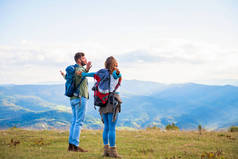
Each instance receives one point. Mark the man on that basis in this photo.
(78, 103)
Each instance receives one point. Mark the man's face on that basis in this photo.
(83, 61)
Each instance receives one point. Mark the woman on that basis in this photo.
(109, 113)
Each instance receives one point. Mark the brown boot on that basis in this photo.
(70, 148)
(78, 149)
(106, 151)
(113, 152)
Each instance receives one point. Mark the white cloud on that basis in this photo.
(181, 62)
(170, 61)
(30, 63)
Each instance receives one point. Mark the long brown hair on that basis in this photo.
(110, 64)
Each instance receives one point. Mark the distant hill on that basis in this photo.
(144, 104)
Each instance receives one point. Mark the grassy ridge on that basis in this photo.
(131, 144)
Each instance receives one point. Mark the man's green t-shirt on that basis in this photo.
(84, 85)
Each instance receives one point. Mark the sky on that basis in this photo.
(169, 41)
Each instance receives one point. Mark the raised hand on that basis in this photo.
(88, 65)
(118, 71)
(79, 73)
(62, 73)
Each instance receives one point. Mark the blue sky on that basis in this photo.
(170, 41)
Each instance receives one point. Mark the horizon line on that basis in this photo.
(179, 83)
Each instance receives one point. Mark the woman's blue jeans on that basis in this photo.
(109, 132)
(78, 111)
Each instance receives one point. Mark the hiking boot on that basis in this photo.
(78, 149)
(113, 152)
(70, 148)
(106, 151)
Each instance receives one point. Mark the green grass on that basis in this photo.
(150, 143)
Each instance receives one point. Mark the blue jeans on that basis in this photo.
(109, 131)
(78, 111)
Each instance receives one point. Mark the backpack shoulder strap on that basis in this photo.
(117, 86)
(82, 79)
(109, 80)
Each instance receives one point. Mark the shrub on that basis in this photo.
(154, 127)
(200, 129)
(233, 129)
(171, 127)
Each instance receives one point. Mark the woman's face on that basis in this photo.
(115, 65)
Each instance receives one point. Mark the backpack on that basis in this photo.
(101, 87)
(70, 88)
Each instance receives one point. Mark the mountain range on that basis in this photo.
(145, 104)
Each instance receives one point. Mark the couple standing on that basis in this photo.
(79, 104)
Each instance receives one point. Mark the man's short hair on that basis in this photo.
(78, 55)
